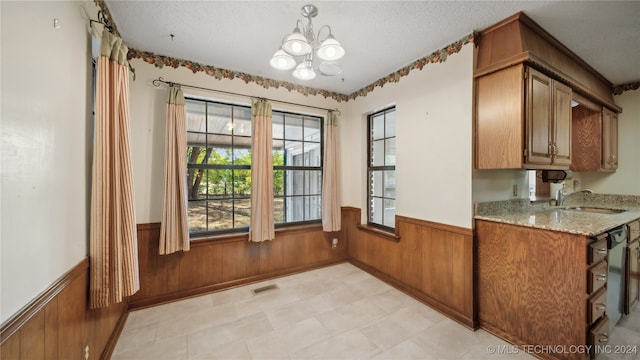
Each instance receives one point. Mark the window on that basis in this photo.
(381, 167)
(219, 167)
(297, 167)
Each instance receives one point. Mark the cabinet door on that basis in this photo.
(538, 117)
(609, 140)
(561, 147)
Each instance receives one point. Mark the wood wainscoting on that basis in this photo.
(58, 324)
(222, 262)
(431, 262)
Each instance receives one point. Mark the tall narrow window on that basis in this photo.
(381, 177)
(297, 167)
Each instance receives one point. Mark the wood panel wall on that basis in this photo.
(431, 262)
(221, 262)
(58, 324)
(532, 288)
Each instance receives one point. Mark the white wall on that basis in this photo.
(433, 155)
(45, 124)
(148, 109)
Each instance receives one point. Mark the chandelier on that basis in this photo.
(303, 44)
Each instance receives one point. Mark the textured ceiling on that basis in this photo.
(380, 37)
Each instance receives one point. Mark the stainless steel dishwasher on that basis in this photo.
(615, 283)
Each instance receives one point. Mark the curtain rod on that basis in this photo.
(159, 80)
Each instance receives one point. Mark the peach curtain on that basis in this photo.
(262, 223)
(330, 189)
(113, 245)
(174, 231)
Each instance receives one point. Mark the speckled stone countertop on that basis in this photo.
(543, 215)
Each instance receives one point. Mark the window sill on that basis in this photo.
(392, 236)
(201, 240)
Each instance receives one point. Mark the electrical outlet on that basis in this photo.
(86, 352)
(334, 242)
(515, 190)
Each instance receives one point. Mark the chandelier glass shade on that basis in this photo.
(304, 44)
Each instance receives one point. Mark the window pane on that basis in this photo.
(220, 214)
(196, 139)
(197, 218)
(218, 156)
(242, 142)
(313, 208)
(277, 121)
(218, 182)
(294, 182)
(278, 210)
(294, 208)
(312, 129)
(389, 213)
(376, 183)
(241, 121)
(377, 157)
(390, 124)
(293, 127)
(241, 182)
(375, 213)
(242, 156)
(377, 127)
(312, 154)
(278, 182)
(293, 153)
(313, 182)
(390, 184)
(219, 119)
(243, 212)
(195, 154)
(390, 151)
(196, 120)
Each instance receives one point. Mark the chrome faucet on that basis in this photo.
(561, 197)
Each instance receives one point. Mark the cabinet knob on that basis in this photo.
(602, 251)
(601, 277)
(600, 306)
(604, 338)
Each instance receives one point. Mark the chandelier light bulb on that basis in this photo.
(330, 49)
(304, 71)
(296, 44)
(282, 61)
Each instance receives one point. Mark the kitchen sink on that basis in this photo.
(596, 210)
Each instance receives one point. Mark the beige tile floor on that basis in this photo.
(337, 312)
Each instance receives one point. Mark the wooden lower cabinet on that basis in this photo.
(532, 287)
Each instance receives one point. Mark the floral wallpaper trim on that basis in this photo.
(438, 56)
(161, 61)
(619, 89)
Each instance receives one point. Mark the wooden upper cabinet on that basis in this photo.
(562, 124)
(525, 81)
(548, 109)
(523, 120)
(586, 135)
(539, 118)
(499, 125)
(609, 140)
